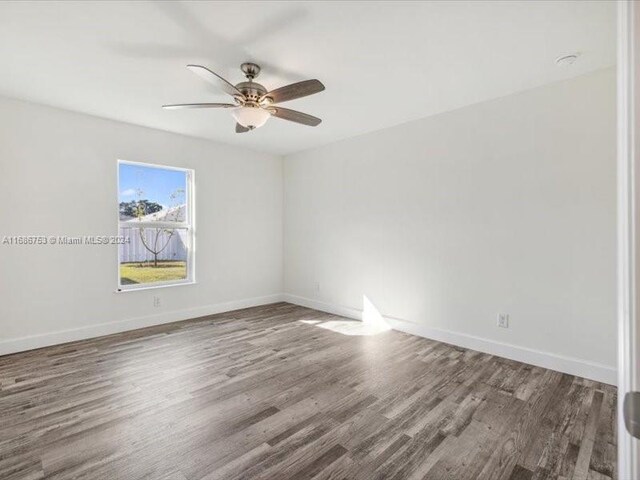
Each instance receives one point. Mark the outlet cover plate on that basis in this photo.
(503, 320)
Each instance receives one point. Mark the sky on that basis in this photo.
(157, 184)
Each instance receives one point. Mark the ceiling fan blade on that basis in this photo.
(215, 79)
(241, 129)
(294, 116)
(178, 106)
(293, 91)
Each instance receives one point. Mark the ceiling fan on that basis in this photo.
(253, 103)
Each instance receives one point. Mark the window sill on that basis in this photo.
(153, 287)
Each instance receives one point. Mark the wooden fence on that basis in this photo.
(135, 251)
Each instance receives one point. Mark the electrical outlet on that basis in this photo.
(503, 320)
(156, 301)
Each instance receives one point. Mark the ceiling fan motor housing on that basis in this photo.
(251, 90)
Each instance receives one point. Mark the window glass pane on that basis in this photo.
(151, 255)
(147, 193)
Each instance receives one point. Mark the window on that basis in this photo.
(155, 218)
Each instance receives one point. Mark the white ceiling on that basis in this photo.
(383, 63)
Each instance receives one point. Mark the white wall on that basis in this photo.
(505, 206)
(58, 177)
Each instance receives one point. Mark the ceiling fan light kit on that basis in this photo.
(253, 103)
(250, 117)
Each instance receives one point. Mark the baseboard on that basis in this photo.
(91, 331)
(572, 366)
(323, 307)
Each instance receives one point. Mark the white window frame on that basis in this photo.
(189, 225)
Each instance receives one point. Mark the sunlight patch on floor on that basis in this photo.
(372, 322)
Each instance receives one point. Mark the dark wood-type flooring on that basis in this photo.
(277, 393)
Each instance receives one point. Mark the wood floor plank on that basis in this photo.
(586, 448)
(286, 392)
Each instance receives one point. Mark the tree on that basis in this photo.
(155, 246)
(130, 209)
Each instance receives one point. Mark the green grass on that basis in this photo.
(136, 272)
